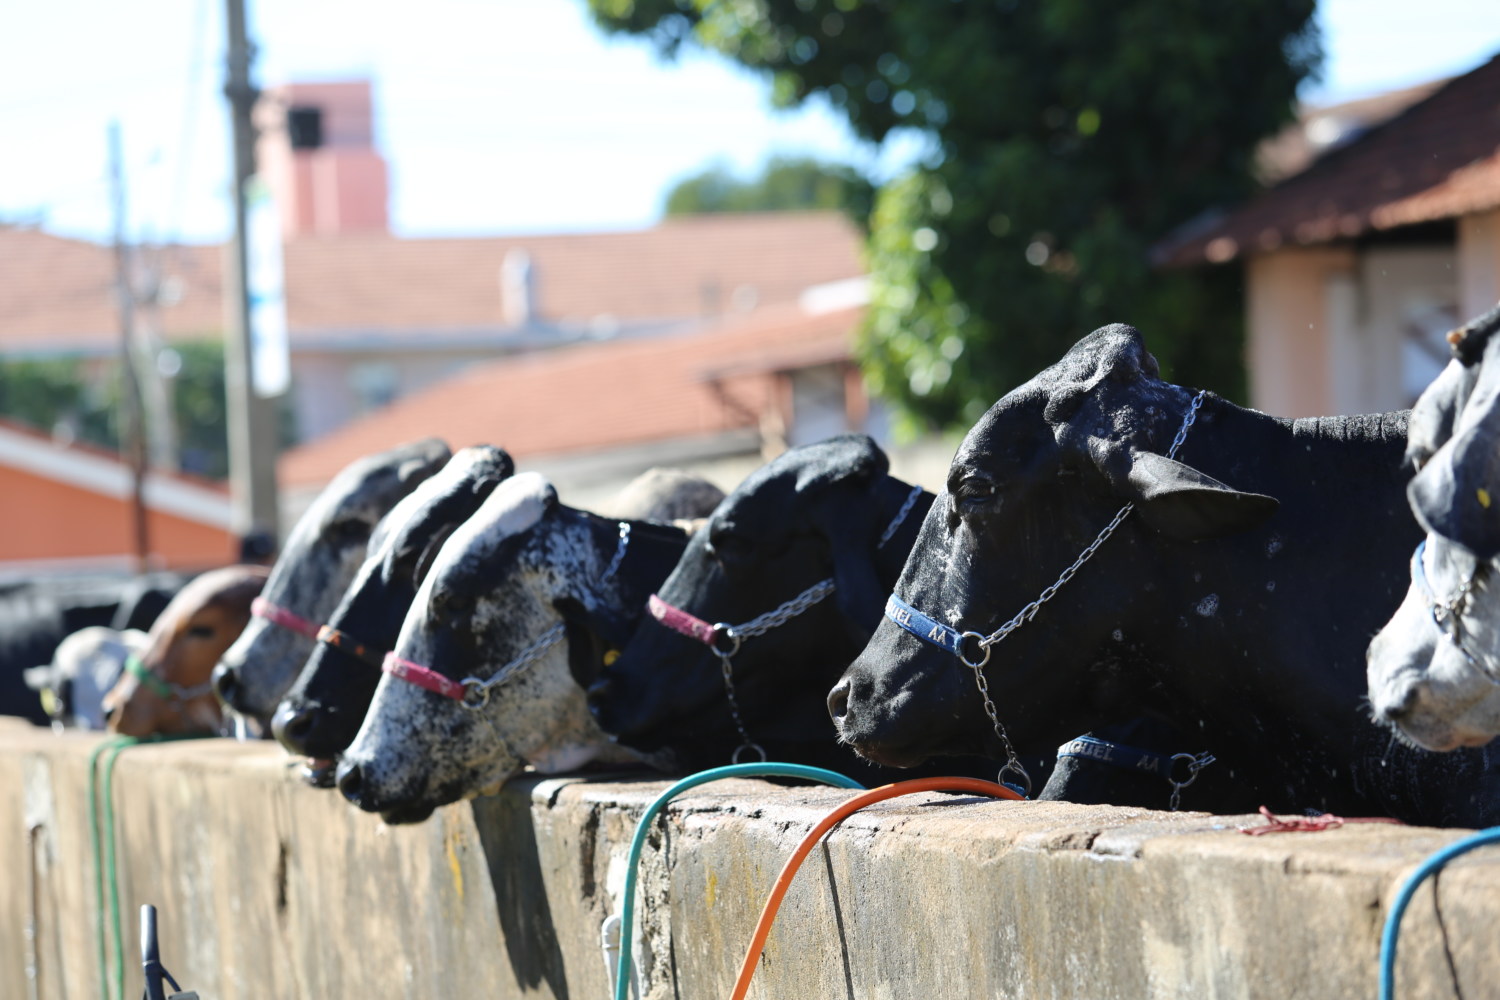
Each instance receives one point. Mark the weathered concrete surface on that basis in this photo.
(269, 889)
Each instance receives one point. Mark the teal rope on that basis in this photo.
(102, 842)
(1388, 939)
(101, 865)
(643, 827)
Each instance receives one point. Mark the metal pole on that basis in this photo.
(251, 418)
(132, 440)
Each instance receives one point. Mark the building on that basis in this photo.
(68, 508)
(718, 401)
(1356, 266)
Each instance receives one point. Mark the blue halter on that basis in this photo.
(1117, 754)
(1449, 609)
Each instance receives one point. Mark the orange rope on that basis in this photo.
(789, 871)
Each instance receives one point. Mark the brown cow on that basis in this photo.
(166, 689)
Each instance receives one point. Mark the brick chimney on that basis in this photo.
(317, 151)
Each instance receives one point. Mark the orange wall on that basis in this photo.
(44, 519)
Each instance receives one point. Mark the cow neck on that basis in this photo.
(474, 692)
(1163, 765)
(1447, 613)
(953, 640)
(723, 639)
(285, 617)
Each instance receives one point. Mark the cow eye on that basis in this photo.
(200, 632)
(974, 492)
(726, 546)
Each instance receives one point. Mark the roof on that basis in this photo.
(1320, 128)
(97, 470)
(596, 396)
(55, 290)
(57, 293)
(1438, 159)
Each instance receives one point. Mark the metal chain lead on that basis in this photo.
(776, 617)
(1195, 763)
(477, 689)
(1026, 614)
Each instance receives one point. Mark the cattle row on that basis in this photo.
(1190, 585)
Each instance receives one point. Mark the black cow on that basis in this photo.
(1433, 668)
(815, 513)
(1230, 614)
(321, 713)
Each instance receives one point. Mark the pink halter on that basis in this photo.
(422, 677)
(277, 615)
(681, 621)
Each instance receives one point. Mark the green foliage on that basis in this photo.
(82, 399)
(52, 395)
(1071, 137)
(787, 183)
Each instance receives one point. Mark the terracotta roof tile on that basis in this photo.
(595, 395)
(1433, 161)
(58, 294)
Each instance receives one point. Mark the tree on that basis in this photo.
(60, 395)
(1070, 137)
(785, 183)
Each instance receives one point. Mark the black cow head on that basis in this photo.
(322, 553)
(1032, 485)
(814, 513)
(321, 713)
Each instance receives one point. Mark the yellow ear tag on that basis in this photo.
(1484, 497)
(611, 655)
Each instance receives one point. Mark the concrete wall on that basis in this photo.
(269, 889)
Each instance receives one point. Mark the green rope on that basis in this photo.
(102, 843)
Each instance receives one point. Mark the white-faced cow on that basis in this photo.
(322, 553)
(1433, 669)
(1232, 613)
(521, 607)
(321, 713)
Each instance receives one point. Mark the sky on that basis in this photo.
(495, 116)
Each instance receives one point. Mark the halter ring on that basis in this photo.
(475, 696)
(978, 664)
(1014, 767)
(1192, 776)
(724, 630)
(755, 747)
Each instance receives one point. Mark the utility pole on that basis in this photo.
(132, 440)
(251, 417)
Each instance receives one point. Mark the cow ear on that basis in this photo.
(427, 457)
(1457, 495)
(591, 635)
(1180, 502)
(848, 457)
(430, 553)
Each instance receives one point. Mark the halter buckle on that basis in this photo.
(724, 630)
(958, 650)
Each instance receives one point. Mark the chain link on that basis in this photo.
(477, 689)
(1195, 763)
(620, 547)
(1026, 614)
(890, 530)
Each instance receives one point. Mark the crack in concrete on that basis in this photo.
(1437, 911)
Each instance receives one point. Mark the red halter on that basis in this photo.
(422, 677)
(277, 615)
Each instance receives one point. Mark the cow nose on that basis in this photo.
(226, 683)
(1396, 711)
(292, 725)
(351, 782)
(838, 702)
